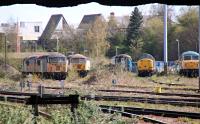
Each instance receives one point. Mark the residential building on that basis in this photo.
(57, 29)
(21, 34)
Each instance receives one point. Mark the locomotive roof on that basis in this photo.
(190, 53)
(77, 56)
(46, 54)
(146, 55)
(123, 55)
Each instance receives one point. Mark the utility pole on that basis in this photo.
(199, 48)
(165, 39)
(5, 48)
(178, 48)
(57, 44)
(18, 40)
(116, 50)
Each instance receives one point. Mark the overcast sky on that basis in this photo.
(73, 15)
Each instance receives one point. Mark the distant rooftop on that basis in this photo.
(87, 20)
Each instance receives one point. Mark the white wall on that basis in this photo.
(27, 30)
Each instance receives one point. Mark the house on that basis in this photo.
(57, 29)
(87, 21)
(21, 33)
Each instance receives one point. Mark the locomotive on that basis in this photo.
(189, 64)
(50, 65)
(124, 60)
(79, 63)
(146, 65)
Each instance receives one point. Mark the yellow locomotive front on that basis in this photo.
(146, 65)
(189, 64)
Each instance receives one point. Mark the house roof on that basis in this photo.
(87, 20)
(51, 27)
(65, 3)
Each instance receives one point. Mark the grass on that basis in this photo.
(101, 77)
(86, 113)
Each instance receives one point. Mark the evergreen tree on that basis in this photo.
(134, 31)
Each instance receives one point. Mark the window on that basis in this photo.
(195, 57)
(27, 63)
(57, 59)
(22, 24)
(38, 62)
(187, 57)
(77, 60)
(37, 28)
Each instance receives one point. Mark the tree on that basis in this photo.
(95, 38)
(116, 42)
(133, 41)
(187, 29)
(153, 37)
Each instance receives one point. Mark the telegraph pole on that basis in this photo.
(178, 56)
(5, 48)
(165, 39)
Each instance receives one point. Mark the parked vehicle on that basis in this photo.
(79, 63)
(146, 65)
(189, 64)
(51, 65)
(123, 60)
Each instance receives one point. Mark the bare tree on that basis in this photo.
(96, 38)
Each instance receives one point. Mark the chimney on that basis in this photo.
(112, 14)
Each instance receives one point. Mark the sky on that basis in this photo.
(73, 15)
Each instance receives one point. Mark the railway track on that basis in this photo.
(153, 93)
(170, 101)
(169, 84)
(157, 112)
(130, 115)
(19, 97)
(164, 88)
(13, 99)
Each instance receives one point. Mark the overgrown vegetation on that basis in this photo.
(87, 113)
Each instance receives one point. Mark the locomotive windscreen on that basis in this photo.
(77, 60)
(191, 57)
(145, 55)
(57, 59)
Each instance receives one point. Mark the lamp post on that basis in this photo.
(57, 45)
(116, 50)
(178, 48)
(5, 50)
(85, 51)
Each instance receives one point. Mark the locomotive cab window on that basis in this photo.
(195, 57)
(187, 57)
(77, 60)
(56, 59)
(38, 62)
(27, 62)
